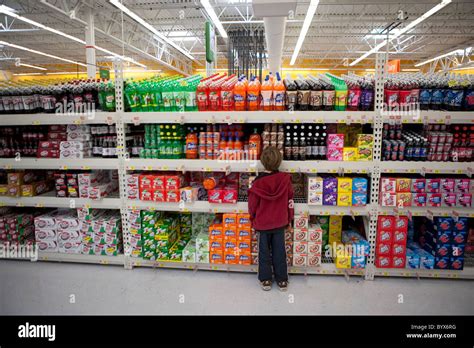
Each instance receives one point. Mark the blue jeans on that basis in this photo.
(271, 252)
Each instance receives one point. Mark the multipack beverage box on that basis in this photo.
(313, 260)
(388, 185)
(301, 234)
(359, 185)
(344, 185)
(315, 184)
(388, 199)
(300, 260)
(403, 185)
(384, 248)
(418, 185)
(412, 259)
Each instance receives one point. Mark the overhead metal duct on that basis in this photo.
(274, 15)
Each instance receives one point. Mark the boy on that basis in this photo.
(271, 212)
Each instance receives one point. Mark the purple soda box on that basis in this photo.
(418, 185)
(330, 185)
(462, 185)
(330, 199)
(447, 185)
(432, 186)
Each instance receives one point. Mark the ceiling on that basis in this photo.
(338, 33)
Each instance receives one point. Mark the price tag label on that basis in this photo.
(363, 171)
(39, 205)
(8, 166)
(436, 275)
(136, 120)
(313, 170)
(79, 121)
(292, 170)
(165, 168)
(138, 263)
(45, 258)
(109, 120)
(277, 121)
(148, 168)
(86, 167)
(36, 123)
(318, 120)
(131, 167)
(341, 121)
(63, 168)
(20, 204)
(104, 262)
(437, 171)
(296, 121)
(385, 274)
(87, 205)
(207, 169)
(215, 268)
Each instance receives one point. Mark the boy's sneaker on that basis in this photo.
(283, 286)
(266, 285)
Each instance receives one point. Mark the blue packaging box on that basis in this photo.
(457, 263)
(413, 259)
(413, 245)
(444, 250)
(427, 261)
(458, 250)
(444, 224)
(358, 262)
(442, 263)
(444, 237)
(460, 225)
(359, 199)
(359, 185)
(459, 237)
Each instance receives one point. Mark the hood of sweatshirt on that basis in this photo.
(272, 186)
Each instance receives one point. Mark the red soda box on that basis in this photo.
(173, 195)
(418, 199)
(158, 182)
(433, 199)
(433, 185)
(383, 262)
(400, 237)
(399, 261)
(173, 182)
(447, 185)
(403, 185)
(385, 237)
(145, 181)
(401, 223)
(418, 185)
(461, 185)
(229, 195)
(335, 140)
(463, 199)
(386, 223)
(215, 196)
(471, 185)
(146, 194)
(399, 249)
(388, 185)
(159, 196)
(448, 199)
(384, 249)
(404, 199)
(388, 199)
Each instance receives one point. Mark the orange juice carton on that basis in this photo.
(403, 185)
(229, 219)
(344, 199)
(344, 185)
(300, 235)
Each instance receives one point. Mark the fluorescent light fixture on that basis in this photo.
(400, 32)
(28, 74)
(40, 53)
(33, 66)
(370, 70)
(148, 26)
(304, 29)
(212, 14)
(455, 52)
(410, 70)
(306, 69)
(221, 69)
(11, 12)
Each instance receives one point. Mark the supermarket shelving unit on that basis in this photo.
(124, 165)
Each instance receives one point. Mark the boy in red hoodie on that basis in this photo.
(271, 212)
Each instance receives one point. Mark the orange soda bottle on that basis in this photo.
(279, 92)
(253, 95)
(255, 145)
(267, 94)
(240, 95)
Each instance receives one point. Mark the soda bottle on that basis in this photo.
(255, 145)
(110, 96)
(227, 94)
(291, 93)
(288, 148)
(353, 96)
(425, 94)
(192, 145)
(190, 95)
(329, 96)
(278, 94)
(253, 95)
(302, 148)
(202, 92)
(267, 94)
(302, 94)
(469, 96)
(295, 148)
(316, 94)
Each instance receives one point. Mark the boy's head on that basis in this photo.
(271, 158)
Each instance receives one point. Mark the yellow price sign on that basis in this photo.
(8, 166)
(87, 206)
(131, 167)
(186, 210)
(165, 168)
(86, 167)
(411, 171)
(45, 258)
(363, 171)
(313, 170)
(20, 204)
(349, 171)
(297, 121)
(319, 120)
(207, 169)
(104, 262)
(39, 205)
(436, 171)
(277, 121)
(292, 170)
(385, 274)
(138, 264)
(404, 121)
(436, 275)
(149, 168)
(214, 268)
(63, 168)
(459, 171)
(77, 121)
(36, 123)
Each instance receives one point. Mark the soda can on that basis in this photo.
(387, 145)
(386, 155)
(449, 138)
(433, 137)
(401, 146)
(447, 147)
(445, 156)
(441, 138)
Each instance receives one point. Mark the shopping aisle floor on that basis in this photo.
(46, 288)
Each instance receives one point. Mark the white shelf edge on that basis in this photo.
(80, 258)
(59, 163)
(428, 167)
(432, 116)
(49, 201)
(57, 118)
(423, 211)
(466, 273)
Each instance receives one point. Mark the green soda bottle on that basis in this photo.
(110, 96)
(167, 95)
(102, 96)
(133, 96)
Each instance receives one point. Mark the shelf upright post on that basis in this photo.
(380, 76)
(122, 158)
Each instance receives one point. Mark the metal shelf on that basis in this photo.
(59, 163)
(324, 269)
(466, 273)
(59, 118)
(431, 116)
(49, 200)
(313, 167)
(250, 117)
(80, 258)
(428, 211)
(426, 167)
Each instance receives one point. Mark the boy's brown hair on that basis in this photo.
(271, 158)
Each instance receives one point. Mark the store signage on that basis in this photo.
(393, 66)
(210, 37)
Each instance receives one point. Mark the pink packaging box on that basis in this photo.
(334, 153)
(447, 185)
(335, 140)
(464, 199)
(419, 199)
(418, 185)
(462, 185)
(215, 196)
(433, 186)
(433, 199)
(230, 195)
(388, 185)
(388, 199)
(448, 199)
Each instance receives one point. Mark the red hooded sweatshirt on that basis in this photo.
(271, 201)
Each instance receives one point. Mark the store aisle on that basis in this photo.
(46, 288)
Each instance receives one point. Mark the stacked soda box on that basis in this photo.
(323, 222)
(392, 232)
(221, 188)
(194, 251)
(208, 147)
(298, 182)
(230, 240)
(155, 187)
(307, 242)
(244, 183)
(16, 227)
(25, 184)
(274, 135)
(93, 185)
(78, 143)
(444, 239)
(340, 191)
(421, 192)
(359, 149)
(50, 146)
(101, 231)
(135, 242)
(354, 252)
(58, 231)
